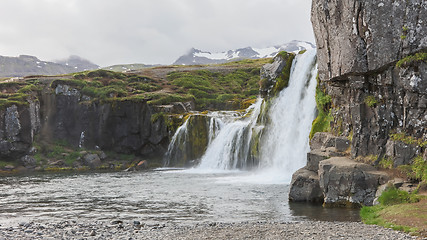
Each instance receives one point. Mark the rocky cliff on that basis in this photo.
(63, 113)
(372, 62)
(359, 45)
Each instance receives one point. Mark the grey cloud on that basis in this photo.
(147, 31)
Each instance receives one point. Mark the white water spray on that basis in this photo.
(285, 142)
(230, 148)
(277, 149)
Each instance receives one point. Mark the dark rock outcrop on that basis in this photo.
(275, 75)
(18, 126)
(119, 126)
(345, 182)
(333, 178)
(305, 187)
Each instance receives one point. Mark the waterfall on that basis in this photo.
(278, 149)
(285, 142)
(230, 148)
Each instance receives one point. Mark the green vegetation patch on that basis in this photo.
(283, 80)
(17, 93)
(408, 139)
(322, 123)
(417, 171)
(417, 57)
(371, 101)
(210, 89)
(400, 205)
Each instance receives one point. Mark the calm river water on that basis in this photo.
(173, 196)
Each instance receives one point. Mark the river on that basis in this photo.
(180, 197)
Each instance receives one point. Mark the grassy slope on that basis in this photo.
(400, 211)
(209, 86)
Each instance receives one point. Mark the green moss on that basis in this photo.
(322, 123)
(386, 163)
(418, 57)
(371, 101)
(408, 139)
(283, 80)
(155, 117)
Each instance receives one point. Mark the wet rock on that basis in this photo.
(92, 160)
(305, 187)
(9, 167)
(102, 155)
(58, 163)
(28, 161)
(270, 73)
(347, 183)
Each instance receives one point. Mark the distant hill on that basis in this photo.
(128, 67)
(26, 65)
(78, 63)
(196, 56)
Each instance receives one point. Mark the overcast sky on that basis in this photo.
(109, 32)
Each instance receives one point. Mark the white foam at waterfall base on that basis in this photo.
(285, 142)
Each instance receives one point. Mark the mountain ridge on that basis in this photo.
(25, 65)
(196, 56)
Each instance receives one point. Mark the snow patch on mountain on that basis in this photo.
(196, 56)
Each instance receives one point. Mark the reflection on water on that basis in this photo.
(152, 197)
(319, 213)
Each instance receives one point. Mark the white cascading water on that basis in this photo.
(285, 142)
(227, 151)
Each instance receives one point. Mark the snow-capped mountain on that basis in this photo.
(196, 56)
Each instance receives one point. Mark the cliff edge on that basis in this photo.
(372, 62)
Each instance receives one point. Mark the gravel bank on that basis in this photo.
(136, 230)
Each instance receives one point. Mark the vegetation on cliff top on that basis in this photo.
(208, 88)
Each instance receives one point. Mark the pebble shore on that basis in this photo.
(260, 230)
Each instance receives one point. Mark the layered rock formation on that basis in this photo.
(372, 61)
(359, 44)
(64, 113)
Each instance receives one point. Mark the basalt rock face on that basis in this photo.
(63, 113)
(18, 126)
(359, 43)
(119, 126)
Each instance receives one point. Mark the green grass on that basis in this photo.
(214, 88)
(371, 216)
(392, 201)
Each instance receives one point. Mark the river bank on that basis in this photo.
(258, 230)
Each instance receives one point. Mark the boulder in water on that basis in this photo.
(92, 160)
(305, 187)
(345, 182)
